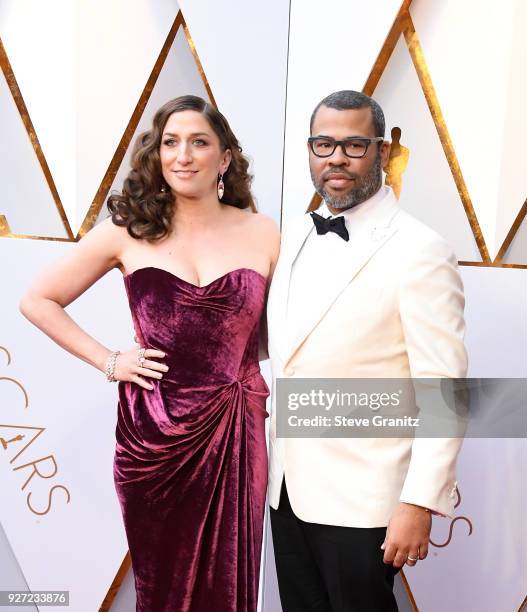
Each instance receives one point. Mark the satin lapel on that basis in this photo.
(279, 292)
(332, 279)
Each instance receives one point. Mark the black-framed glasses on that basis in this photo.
(355, 146)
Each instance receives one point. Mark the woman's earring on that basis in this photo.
(221, 188)
(163, 188)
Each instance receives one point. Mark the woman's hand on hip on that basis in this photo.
(136, 365)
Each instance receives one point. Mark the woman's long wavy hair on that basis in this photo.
(146, 203)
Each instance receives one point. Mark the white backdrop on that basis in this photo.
(114, 51)
(81, 88)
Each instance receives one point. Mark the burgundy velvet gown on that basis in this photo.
(191, 460)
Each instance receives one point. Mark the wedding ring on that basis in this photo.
(411, 558)
(141, 356)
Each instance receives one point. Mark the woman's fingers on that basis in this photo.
(143, 371)
(142, 383)
(155, 365)
(149, 353)
(129, 369)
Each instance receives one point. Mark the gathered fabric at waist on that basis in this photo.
(175, 420)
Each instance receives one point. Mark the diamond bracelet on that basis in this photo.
(110, 366)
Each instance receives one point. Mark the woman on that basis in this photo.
(191, 463)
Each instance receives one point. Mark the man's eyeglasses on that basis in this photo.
(356, 146)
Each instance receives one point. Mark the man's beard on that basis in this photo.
(365, 187)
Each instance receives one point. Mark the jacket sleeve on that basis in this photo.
(431, 304)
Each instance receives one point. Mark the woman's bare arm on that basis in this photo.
(64, 281)
(59, 285)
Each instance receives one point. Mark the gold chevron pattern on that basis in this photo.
(109, 176)
(122, 147)
(10, 78)
(403, 26)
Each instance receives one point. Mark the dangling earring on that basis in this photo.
(163, 188)
(221, 188)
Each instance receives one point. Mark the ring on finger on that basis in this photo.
(408, 558)
(141, 356)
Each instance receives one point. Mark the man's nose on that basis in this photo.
(338, 158)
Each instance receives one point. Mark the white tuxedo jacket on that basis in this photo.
(390, 307)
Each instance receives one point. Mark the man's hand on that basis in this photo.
(407, 535)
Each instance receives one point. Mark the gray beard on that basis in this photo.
(364, 189)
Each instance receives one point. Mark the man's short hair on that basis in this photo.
(349, 99)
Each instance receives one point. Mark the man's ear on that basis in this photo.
(385, 153)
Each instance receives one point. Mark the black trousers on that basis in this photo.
(324, 568)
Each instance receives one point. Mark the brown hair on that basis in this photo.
(146, 203)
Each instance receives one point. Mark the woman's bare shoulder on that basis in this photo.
(107, 228)
(106, 241)
(264, 224)
(107, 233)
(266, 234)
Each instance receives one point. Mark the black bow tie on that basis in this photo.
(335, 224)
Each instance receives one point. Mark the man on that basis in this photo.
(371, 293)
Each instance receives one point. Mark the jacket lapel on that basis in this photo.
(331, 278)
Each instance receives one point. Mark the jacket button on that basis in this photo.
(289, 371)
